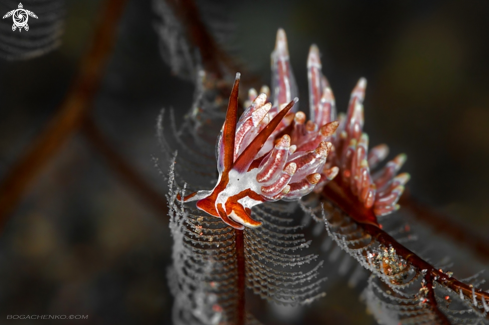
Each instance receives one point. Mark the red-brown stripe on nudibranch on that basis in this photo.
(229, 128)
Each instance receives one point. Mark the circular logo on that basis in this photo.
(20, 18)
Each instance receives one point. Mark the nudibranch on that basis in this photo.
(271, 153)
(260, 158)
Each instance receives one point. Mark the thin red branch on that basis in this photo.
(438, 275)
(70, 115)
(349, 204)
(123, 169)
(432, 300)
(241, 281)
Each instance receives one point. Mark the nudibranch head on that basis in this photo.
(271, 153)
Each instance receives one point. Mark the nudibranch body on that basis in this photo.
(272, 154)
(249, 175)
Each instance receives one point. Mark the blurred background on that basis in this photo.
(82, 242)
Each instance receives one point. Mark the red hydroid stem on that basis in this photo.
(241, 280)
(340, 196)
